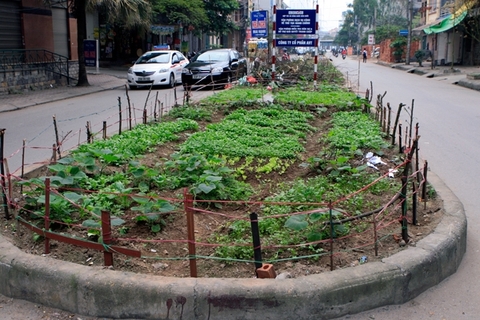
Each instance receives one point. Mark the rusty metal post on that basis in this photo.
(403, 221)
(400, 148)
(175, 96)
(257, 250)
(57, 137)
(107, 238)
(47, 214)
(424, 185)
(3, 184)
(155, 108)
(104, 130)
(396, 122)
(188, 205)
(389, 118)
(414, 203)
(22, 174)
(375, 235)
(119, 116)
(332, 230)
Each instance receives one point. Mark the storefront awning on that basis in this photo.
(446, 24)
(431, 24)
(451, 20)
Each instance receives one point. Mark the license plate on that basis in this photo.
(143, 79)
(198, 76)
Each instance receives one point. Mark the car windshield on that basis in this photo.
(154, 57)
(212, 56)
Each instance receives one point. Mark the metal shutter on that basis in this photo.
(60, 31)
(10, 25)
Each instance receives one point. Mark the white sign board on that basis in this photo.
(371, 39)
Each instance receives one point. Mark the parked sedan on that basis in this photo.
(163, 67)
(214, 67)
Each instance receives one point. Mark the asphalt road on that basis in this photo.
(448, 116)
(36, 124)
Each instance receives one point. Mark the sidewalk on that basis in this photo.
(457, 75)
(105, 79)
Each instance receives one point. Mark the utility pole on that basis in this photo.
(409, 35)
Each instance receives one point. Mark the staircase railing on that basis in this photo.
(19, 59)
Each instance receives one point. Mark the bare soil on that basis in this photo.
(165, 253)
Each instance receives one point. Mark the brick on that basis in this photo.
(266, 271)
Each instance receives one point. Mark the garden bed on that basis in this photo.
(303, 153)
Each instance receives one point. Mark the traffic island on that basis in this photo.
(101, 292)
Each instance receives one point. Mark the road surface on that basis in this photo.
(448, 116)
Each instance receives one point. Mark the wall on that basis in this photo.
(34, 78)
(386, 53)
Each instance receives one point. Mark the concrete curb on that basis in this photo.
(122, 295)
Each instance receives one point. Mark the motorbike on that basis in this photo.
(344, 56)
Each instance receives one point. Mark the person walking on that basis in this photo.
(364, 54)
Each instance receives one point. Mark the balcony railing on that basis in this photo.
(19, 60)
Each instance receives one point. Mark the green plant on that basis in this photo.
(152, 212)
(352, 131)
(398, 46)
(420, 56)
(207, 177)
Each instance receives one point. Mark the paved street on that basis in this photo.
(448, 117)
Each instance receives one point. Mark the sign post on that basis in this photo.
(90, 48)
(259, 24)
(292, 22)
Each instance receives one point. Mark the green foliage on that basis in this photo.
(191, 112)
(236, 94)
(206, 176)
(328, 96)
(189, 12)
(219, 14)
(354, 130)
(141, 139)
(267, 132)
(420, 56)
(152, 212)
(388, 31)
(398, 46)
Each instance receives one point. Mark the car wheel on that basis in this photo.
(171, 82)
(132, 87)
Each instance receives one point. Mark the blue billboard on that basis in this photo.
(295, 21)
(90, 52)
(295, 42)
(259, 24)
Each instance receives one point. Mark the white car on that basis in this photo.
(157, 68)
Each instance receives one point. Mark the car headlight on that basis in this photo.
(130, 71)
(217, 69)
(163, 70)
(185, 71)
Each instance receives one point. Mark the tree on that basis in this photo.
(129, 12)
(348, 34)
(188, 12)
(219, 12)
(392, 13)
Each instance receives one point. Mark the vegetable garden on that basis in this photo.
(311, 182)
